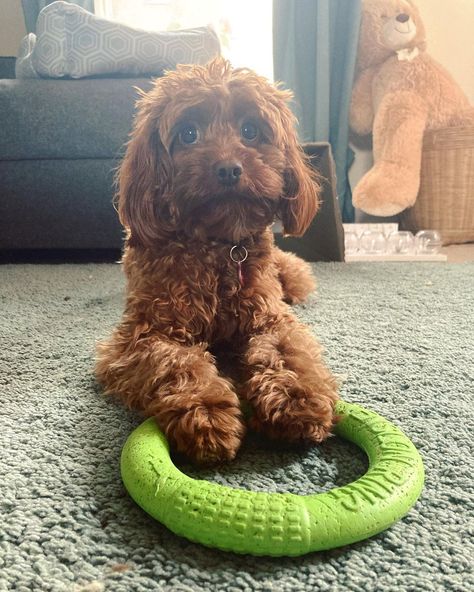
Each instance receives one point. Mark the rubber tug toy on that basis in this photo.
(279, 524)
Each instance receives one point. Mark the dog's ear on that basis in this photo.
(144, 177)
(299, 203)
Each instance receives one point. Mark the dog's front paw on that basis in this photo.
(287, 409)
(208, 435)
(295, 276)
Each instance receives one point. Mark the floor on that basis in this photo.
(459, 253)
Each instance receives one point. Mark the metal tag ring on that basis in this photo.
(239, 248)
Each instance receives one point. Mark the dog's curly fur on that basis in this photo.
(187, 303)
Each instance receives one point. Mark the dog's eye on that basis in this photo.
(249, 131)
(189, 134)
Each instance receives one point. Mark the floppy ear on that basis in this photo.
(300, 202)
(143, 178)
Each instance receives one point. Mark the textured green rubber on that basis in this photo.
(279, 523)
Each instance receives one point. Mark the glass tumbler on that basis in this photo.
(401, 243)
(351, 242)
(373, 242)
(428, 242)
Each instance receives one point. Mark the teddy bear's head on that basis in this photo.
(388, 26)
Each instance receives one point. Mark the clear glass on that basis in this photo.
(401, 243)
(428, 242)
(351, 242)
(372, 242)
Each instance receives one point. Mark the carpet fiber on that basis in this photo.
(399, 336)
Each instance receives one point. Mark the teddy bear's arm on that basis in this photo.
(361, 115)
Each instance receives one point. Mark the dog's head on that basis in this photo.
(214, 155)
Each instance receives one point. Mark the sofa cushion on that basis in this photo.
(59, 119)
(58, 204)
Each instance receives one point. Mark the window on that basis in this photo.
(244, 27)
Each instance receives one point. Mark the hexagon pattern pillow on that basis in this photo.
(72, 42)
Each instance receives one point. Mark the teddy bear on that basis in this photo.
(399, 92)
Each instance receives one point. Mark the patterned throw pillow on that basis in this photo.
(73, 42)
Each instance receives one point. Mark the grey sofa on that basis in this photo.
(60, 143)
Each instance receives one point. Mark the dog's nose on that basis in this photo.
(403, 18)
(228, 172)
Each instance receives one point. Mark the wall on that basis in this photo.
(12, 27)
(450, 39)
(449, 34)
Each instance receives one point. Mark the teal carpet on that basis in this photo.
(400, 337)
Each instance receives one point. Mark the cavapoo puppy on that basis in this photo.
(213, 160)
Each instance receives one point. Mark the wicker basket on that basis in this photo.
(445, 201)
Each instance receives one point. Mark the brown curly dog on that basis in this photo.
(212, 161)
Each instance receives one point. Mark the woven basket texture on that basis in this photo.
(445, 201)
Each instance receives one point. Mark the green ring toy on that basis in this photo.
(279, 523)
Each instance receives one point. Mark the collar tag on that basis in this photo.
(239, 254)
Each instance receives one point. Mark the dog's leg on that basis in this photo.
(291, 391)
(180, 386)
(295, 276)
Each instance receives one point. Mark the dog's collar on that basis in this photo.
(238, 253)
(247, 242)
